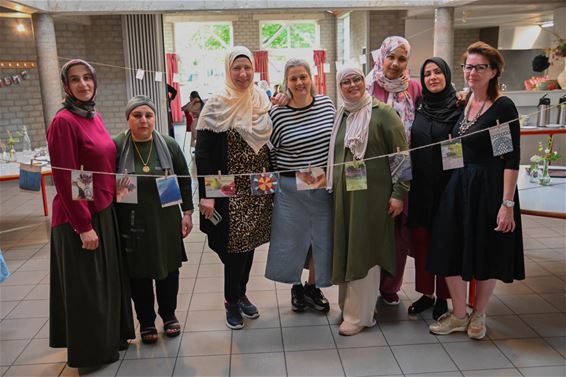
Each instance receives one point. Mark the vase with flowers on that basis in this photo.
(11, 141)
(540, 162)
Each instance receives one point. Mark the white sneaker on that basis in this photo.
(449, 323)
(476, 328)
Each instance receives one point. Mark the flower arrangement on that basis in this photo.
(540, 162)
(11, 141)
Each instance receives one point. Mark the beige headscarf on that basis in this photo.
(357, 124)
(243, 110)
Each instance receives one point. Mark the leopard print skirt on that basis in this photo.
(250, 216)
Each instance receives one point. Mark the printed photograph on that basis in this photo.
(82, 185)
(400, 166)
(356, 176)
(223, 186)
(501, 141)
(310, 179)
(169, 191)
(126, 189)
(452, 155)
(264, 183)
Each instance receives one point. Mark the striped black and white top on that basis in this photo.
(302, 136)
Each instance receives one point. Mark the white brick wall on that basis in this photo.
(462, 39)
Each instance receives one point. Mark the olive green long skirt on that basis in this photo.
(90, 310)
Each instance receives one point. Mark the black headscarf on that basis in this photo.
(83, 109)
(441, 106)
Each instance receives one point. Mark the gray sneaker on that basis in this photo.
(449, 323)
(476, 328)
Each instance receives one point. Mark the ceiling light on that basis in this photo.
(21, 28)
(547, 24)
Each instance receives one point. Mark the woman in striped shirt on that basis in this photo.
(301, 233)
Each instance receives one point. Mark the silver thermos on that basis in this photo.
(543, 117)
(561, 111)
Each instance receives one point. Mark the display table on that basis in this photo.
(547, 201)
(10, 171)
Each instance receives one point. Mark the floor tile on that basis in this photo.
(559, 344)
(257, 340)
(209, 285)
(527, 304)
(25, 278)
(508, 327)
(11, 349)
(515, 288)
(106, 370)
(39, 352)
(44, 370)
(25, 328)
(39, 292)
(30, 309)
(546, 284)
(186, 286)
(529, 352)
(258, 364)
(268, 318)
(14, 292)
(307, 338)
(547, 325)
(423, 358)
(43, 332)
(147, 367)
(207, 301)
(6, 307)
(290, 318)
(393, 313)
(510, 372)
(210, 270)
(371, 361)
(35, 265)
(203, 366)
(206, 320)
(369, 337)
(557, 371)
(436, 374)
(314, 363)
(557, 300)
(497, 307)
(198, 343)
(467, 354)
(165, 347)
(406, 332)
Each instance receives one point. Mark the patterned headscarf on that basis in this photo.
(399, 98)
(84, 109)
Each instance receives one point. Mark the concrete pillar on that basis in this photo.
(444, 34)
(48, 65)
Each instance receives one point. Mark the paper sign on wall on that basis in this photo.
(140, 73)
(326, 67)
(159, 76)
(314, 70)
(257, 76)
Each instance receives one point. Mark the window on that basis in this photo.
(288, 39)
(201, 47)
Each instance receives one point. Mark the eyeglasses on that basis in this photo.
(353, 81)
(480, 68)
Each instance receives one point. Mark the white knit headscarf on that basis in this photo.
(357, 123)
(243, 110)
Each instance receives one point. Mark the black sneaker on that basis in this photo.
(315, 299)
(234, 318)
(421, 305)
(440, 307)
(248, 309)
(298, 298)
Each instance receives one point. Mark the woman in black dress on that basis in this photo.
(477, 230)
(436, 114)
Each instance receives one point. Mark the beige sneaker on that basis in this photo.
(349, 329)
(476, 328)
(449, 323)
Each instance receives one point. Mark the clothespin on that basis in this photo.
(309, 168)
(398, 150)
(166, 172)
(264, 171)
(450, 137)
(219, 174)
(82, 169)
(497, 122)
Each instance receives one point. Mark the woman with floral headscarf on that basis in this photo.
(90, 311)
(389, 82)
(364, 239)
(234, 128)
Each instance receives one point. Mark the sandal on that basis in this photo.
(148, 335)
(172, 328)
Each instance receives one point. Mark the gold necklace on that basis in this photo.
(145, 167)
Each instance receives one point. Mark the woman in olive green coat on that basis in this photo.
(364, 228)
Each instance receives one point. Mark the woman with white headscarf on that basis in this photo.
(233, 130)
(389, 82)
(364, 239)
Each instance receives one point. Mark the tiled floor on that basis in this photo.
(526, 322)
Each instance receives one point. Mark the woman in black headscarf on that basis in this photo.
(435, 116)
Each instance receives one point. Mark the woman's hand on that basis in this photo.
(186, 223)
(395, 207)
(280, 99)
(505, 220)
(89, 240)
(206, 207)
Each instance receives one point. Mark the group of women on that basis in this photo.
(459, 225)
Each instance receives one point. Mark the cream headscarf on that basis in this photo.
(357, 123)
(243, 110)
